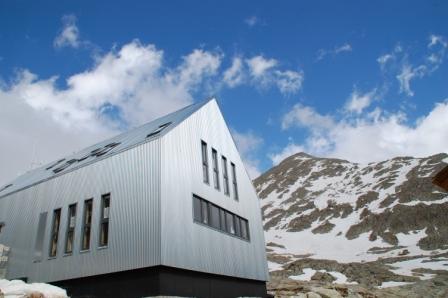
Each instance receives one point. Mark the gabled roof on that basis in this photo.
(145, 133)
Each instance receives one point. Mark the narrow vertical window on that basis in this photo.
(204, 207)
(236, 219)
(234, 183)
(205, 162)
(104, 220)
(70, 234)
(230, 223)
(55, 232)
(225, 175)
(214, 216)
(244, 229)
(86, 224)
(222, 217)
(39, 243)
(215, 168)
(197, 209)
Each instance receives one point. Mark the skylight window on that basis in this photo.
(101, 151)
(5, 187)
(158, 130)
(55, 164)
(65, 165)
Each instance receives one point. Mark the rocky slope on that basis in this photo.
(384, 218)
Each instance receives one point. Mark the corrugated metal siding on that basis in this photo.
(133, 179)
(192, 246)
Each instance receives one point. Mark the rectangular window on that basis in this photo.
(70, 234)
(205, 162)
(230, 223)
(204, 212)
(197, 209)
(39, 244)
(218, 218)
(244, 229)
(86, 224)
(236, 219)
(225, 175)
(214, 216)
(234, 183)
(104, 220)
(215, 168)
(55, 232)
(222, 217)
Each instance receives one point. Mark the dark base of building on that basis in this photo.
(161, 281)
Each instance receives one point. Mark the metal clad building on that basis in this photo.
(157, 225)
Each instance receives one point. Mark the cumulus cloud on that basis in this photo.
(264, 72)
(359, 101)
(289, 82)
(306, 117)
(69, 35)
(259, 66)
(124, 87)
(322, 53)
(373, 136)
(286, 152)
(235, 74)
(248, 143)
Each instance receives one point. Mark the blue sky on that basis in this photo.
(359, 80)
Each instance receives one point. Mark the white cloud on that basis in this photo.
(344, 48)
(248, 143)
(234, 75)
(382, 60)
(289, 82)
(359, 101)
(322, 53)
(260, 66)
(303, 116)
(376, 136)
(407, 74)
(124, 88)
(286, 152)
(405, 71)
(69, 35)
(435, 40)
(252, 21)
(133, 82)
(264, 72)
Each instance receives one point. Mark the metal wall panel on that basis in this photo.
(132, 178)
(192, 246)
(151, 220)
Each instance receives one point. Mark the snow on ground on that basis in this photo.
(389, 284)
(274, 266)
(309, 272)
(406, 267)
(19, 289)
(306, 276)
(324, 246)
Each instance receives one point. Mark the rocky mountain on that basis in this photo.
(375, 224)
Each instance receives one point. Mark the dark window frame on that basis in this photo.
(225, 176)
(234, 182)
(70, 230)
(205, 165)
(215, 164)
(104, 221)
(54, 233)
(86, 226)
(225, 218)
